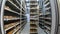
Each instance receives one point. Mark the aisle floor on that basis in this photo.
(40, 31)
(26, 30)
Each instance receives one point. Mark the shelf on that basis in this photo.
(33, 13)
(33, 1)
(34, 18)
(48, 8)
(11, 19)
(47, 22)
(18, 3)
(46, 1)
(47, 32)
(10, 31)
(41, 14)
(33, 28)
(49, 18)
(45, 17)
(22, 25)
(47, 4)
(41, 24)
(47, 27)
(32, 23)
(16, 30)
(10, 27)
(41, 17)
(33, 8)
(14, 18)
(33, 31)
(33, 4)
(8, 9)
(47, 13)
(14, 5)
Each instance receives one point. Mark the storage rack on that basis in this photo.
(46, 17)
(13, 16)
(34, 16)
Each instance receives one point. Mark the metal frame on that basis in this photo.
(58, 4)
(2, 12)
(54, 16)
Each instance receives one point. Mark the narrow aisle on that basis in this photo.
(40, 31)
(26, 29)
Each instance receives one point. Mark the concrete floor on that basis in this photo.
(26, 30)
(40, 31)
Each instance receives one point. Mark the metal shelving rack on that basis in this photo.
(34, 19)
(46, 17)
(13, 17)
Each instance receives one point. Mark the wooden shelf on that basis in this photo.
(16, 30)
(8, 9)
(10, 26)
(33, 28)
(14, 18)
(13, 4)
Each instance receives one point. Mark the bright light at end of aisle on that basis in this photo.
(27, 0)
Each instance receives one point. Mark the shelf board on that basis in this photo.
(48, 8)
(41, 20)
(49, 18)
(18, 3)
(34, 8)
(11, 27)
(46, 1)
(41, 23)
(32, 23)
(33, 4)
(8, 9)
(41, 14)
(47, 4)
(47, 27)
(47, 13)
(33, 18)
(33, 32)
(14, 5)
(22, 25)
(48, 32)
(11, 19)
(41, 17)
(33, 13)
(16, 30)
(47, 22)
(33, 28)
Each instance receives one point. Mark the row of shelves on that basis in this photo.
(33, 17)
(14, 18)
(45, 17)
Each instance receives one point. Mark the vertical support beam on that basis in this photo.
(54, 16)
(2, 12)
